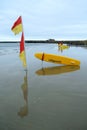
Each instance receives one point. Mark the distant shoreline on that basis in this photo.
(73, 42)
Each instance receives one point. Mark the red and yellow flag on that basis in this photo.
(17, 26)
(22, 51)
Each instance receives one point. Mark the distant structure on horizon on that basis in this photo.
(51, 40)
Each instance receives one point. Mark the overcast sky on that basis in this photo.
(45, 19)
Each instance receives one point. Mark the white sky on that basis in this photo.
(45, 19)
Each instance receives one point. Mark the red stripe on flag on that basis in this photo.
(22, 43)
(17, 22)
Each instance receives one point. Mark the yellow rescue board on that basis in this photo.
(57, 59)
(57, 70)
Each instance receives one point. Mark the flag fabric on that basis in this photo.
(17, 26)
(22, 51)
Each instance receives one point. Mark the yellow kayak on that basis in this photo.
(62, 47)
(57, 59)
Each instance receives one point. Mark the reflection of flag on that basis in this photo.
(22, 50)
(24, 87)
(24, 110)
(17, 26)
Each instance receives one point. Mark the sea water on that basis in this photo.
(29, 101)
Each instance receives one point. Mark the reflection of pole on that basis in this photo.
(60, 47)
(24, 110)
(25, 88)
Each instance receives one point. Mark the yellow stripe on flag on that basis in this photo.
(17, 29)
(23, 58)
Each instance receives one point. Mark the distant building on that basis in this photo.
(51, 40)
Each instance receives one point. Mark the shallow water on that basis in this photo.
(46, 97)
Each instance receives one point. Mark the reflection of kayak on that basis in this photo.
(56, 59)
(57, 70)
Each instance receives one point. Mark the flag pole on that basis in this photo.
(24, 43)
(17, 28)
